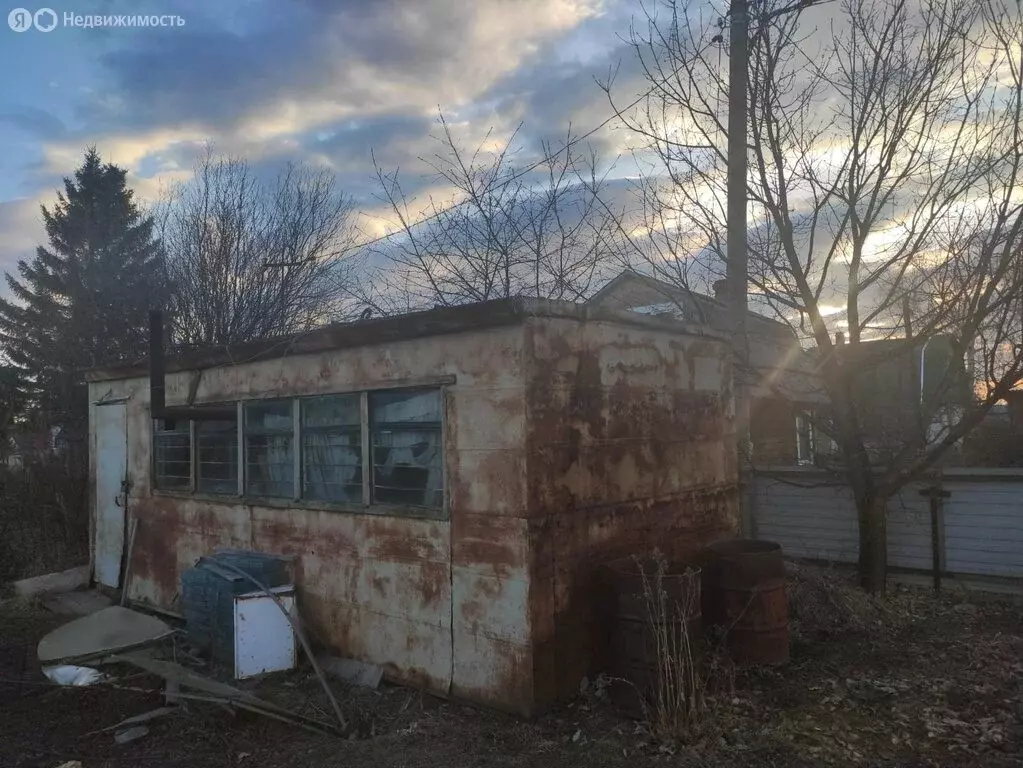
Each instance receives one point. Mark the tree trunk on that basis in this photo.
(873, 525)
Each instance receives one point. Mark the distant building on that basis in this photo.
(782, 387)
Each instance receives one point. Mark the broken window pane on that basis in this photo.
(172, 455)
(405, 428)
(270, 449)
(332, 448)
(217, 452)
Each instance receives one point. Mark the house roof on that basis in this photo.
(383, 330)
(625, 290)
(778, 364)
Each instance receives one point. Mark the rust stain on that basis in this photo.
(495, 482)
(510, 668)
(434, 583)
(155, 558)
(397, 545)
(494, 541)
(624, 459)
(380, 585)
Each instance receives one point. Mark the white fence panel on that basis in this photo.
(909, 530)
(810, 520)
(981, 522)
(984, 528)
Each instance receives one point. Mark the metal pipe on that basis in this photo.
(157, 388)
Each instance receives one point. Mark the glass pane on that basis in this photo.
(406, 406)
(331, 411)
(269, 417)
(269, 449)
(332, 465)
(172, 455)
(332, 448)
(407, 455)
(217, 449)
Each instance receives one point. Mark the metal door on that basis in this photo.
(111, 446)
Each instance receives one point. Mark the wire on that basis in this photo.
(514, 177)
(800, 5)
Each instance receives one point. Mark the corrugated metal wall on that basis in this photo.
(981, 523)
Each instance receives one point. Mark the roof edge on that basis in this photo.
(414, 325)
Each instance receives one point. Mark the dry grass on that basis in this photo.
(941, 689)
(678, 710)
(825, 602)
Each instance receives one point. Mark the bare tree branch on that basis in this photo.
(250, 259)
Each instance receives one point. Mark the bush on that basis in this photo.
(44, 518)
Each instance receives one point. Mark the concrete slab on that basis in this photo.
(107, 631)
(352, 671)
(79, 603)
(62, 581)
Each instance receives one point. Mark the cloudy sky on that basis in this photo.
(323, 81)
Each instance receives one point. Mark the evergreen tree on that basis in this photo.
(12, 404)
(82, 301)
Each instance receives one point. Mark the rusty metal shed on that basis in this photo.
(448, 482)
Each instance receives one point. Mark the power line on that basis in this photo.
(799, 5)
(511, 179)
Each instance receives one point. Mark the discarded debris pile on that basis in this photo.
(824, 602)
(116, 636)
(186, 685)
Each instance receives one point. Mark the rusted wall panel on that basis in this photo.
(567, 443)
(630, 446)
(492, 636)
(375, 587)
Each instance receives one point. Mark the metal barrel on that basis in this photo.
(655, 621)
(744, 593)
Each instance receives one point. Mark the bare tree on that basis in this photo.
(539, 231)
(250, 259)
(886, 152)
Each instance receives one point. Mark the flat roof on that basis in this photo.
(383, 330)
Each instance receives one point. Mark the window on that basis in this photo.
(216, 444)
(172, 454)
(332, 448)
(359, 449)
(270, 448)
(405, 428)
(804, 439)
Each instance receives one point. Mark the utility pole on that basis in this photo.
(737, 265)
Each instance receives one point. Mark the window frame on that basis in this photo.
(370, 496)
(196, 461)
(360, 427)
(295, 448)
(298, 499)
(153, 461)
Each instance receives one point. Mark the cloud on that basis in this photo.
(325, 83)
(38, 123)
(303, 66)
(22, 225)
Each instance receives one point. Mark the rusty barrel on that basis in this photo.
(744, 594)
(655, 615)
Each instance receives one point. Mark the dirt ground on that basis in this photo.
(913, 680)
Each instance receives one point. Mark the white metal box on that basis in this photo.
(264, 640)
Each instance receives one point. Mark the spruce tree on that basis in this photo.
(83, 300)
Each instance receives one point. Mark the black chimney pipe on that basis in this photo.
(158, 388)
